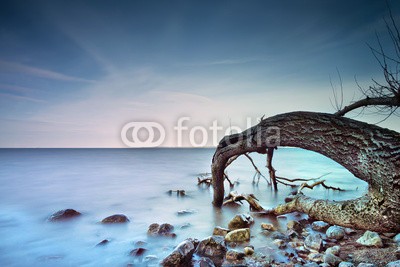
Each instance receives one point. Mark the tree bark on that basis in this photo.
(369, 152)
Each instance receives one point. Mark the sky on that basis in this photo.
(74, 73)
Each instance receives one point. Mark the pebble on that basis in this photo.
(335, 232)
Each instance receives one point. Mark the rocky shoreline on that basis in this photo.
(304, 242)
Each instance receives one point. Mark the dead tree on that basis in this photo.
(369, 152)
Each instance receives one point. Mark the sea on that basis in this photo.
(35, 183)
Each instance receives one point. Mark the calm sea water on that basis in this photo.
(34, 183)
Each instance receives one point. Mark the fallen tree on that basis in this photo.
(369, 152)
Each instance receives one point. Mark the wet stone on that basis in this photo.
(103, 243)
(63, 215)
(238, 235)
(314, 242)
(370, 239)
(320, 226)
(212, 247)
(335, 232)
(240, 221)
(164, 229)
(116, 218)
(220, 231)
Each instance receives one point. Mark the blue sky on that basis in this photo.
(72, 73)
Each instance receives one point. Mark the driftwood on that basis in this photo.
(369, 152)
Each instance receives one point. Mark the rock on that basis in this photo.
(332, 260)
(319, 226)
(350, 231)
(335, 232)
(185, 212)
(324, 265)
(202, 262)
(220, 231)
(314, 242)
(268, 226)
(248, 251)
(238, 235)
(214, 248)
(346, 264)
(103, 243)
(364, 264)
(370, 239)
(316, 257)
(295, 226)
(137, 252)
(279, 243)
(277, 235)
(182, 254)
(393, 264)
(397, 239)
(63, 215)
(116, 218)
(311, 264)
(234, 256)
(240, 221)
(335, 250)
(151, 260)
(164, 229)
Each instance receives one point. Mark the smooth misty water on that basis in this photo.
(34, 183)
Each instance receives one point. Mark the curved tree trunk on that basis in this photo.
(369, 152)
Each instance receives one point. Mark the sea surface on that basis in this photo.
(34, 183)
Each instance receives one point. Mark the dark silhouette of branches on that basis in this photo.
(384, 97)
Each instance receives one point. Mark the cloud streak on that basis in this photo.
(38, 72)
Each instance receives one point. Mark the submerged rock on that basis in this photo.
(240, 221)
(212, 247)
(63, 215)
(238, 235)
(335, 232)
(202, 262)
(364, 264)
(103, 243)
(316, 257)
(116, 218)
(235, 257)
(137, 252)
(370, 239)
(182, 254)
(164, 229)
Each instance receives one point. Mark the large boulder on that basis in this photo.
(63, 215)
(213, 247)
(116, 218)
(182, 254)
(240, 221)
(370, 239)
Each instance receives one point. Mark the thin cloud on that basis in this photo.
(22, 98)
(37, 72)
(224, 62)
